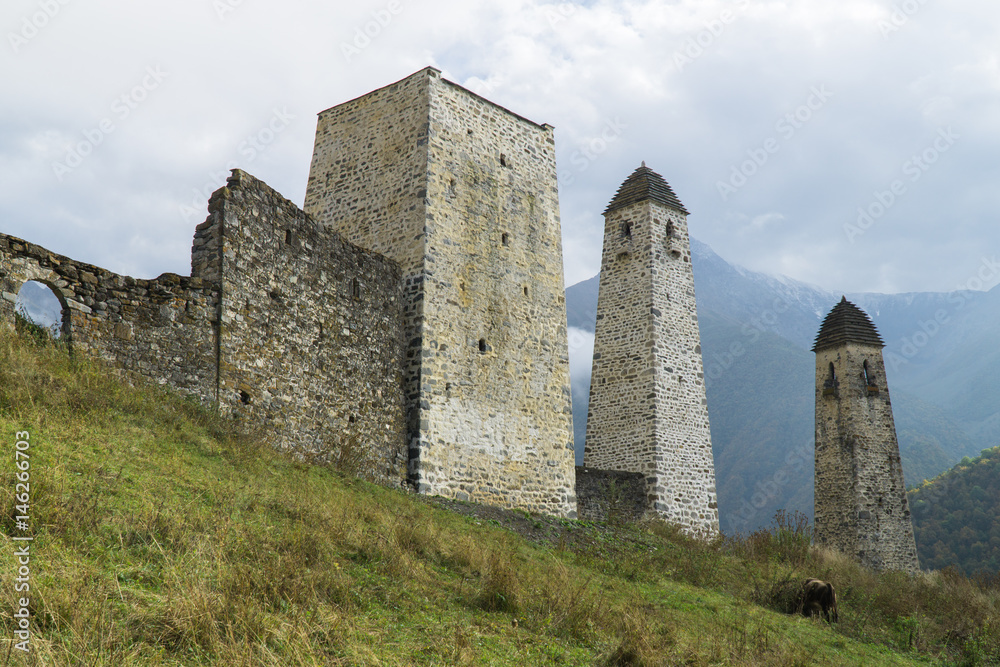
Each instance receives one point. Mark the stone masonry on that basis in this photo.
(411, 322)
(861, 508)
(462, 194)
(648, 408)
(310, 340)
(610, 495)
(282, 323)
(162, 329)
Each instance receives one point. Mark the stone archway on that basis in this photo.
(44, 306)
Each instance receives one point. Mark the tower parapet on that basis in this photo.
(861, 508)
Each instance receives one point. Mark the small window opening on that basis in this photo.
(355, 288)
(626, 230)
(830, 386)
(244, 397)
(482, 344)
(288, 237)
(505, 239)
(670, 231)
(350, 419)
(525, 290)
(869, 379)
(503, 160)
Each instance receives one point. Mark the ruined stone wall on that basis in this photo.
(311, 338)
(610, 495)
(465, 199)
(162, 329)
(648, 408)
(310, 344)
(861, 507)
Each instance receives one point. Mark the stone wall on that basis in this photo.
(462, 193)
(311, 338)
(162, 329)
(648, 408)
(610, 495)
(310, 344)
(861, 507)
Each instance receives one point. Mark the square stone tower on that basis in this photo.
(861, 508)
(462, 193)
(648, 410)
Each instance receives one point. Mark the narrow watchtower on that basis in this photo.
(648, 412)
(860, 507)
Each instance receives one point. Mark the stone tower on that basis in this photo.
(462, 193)
(648, 412)
(860, 502)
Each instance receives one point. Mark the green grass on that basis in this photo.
(165, 537)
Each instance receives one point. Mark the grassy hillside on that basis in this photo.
(164, 537)
(954, 516)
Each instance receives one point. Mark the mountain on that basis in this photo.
(757, 331)
(954, 516)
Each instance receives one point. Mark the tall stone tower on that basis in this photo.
(462, 193)
(648, 412)
(860, 502)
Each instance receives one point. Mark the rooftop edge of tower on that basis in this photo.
(643, 184)
(431, 72)
(846, 323)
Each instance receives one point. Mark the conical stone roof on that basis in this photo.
(643, 184)
(846, 323)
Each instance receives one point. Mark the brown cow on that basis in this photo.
(818, 597)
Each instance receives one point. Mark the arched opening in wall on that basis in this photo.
(40, 313)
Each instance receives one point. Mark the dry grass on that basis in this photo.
(164, 537)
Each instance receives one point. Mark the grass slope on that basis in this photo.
(162, 537)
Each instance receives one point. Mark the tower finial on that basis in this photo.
(643, 163)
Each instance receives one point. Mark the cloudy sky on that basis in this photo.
(850, 144)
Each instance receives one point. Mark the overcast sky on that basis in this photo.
(852, 144)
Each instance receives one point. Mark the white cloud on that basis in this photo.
(577, 66)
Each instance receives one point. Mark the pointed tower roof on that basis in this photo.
(643, 184)
(846, 323)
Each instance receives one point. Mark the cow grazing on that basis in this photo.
(818, 597)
